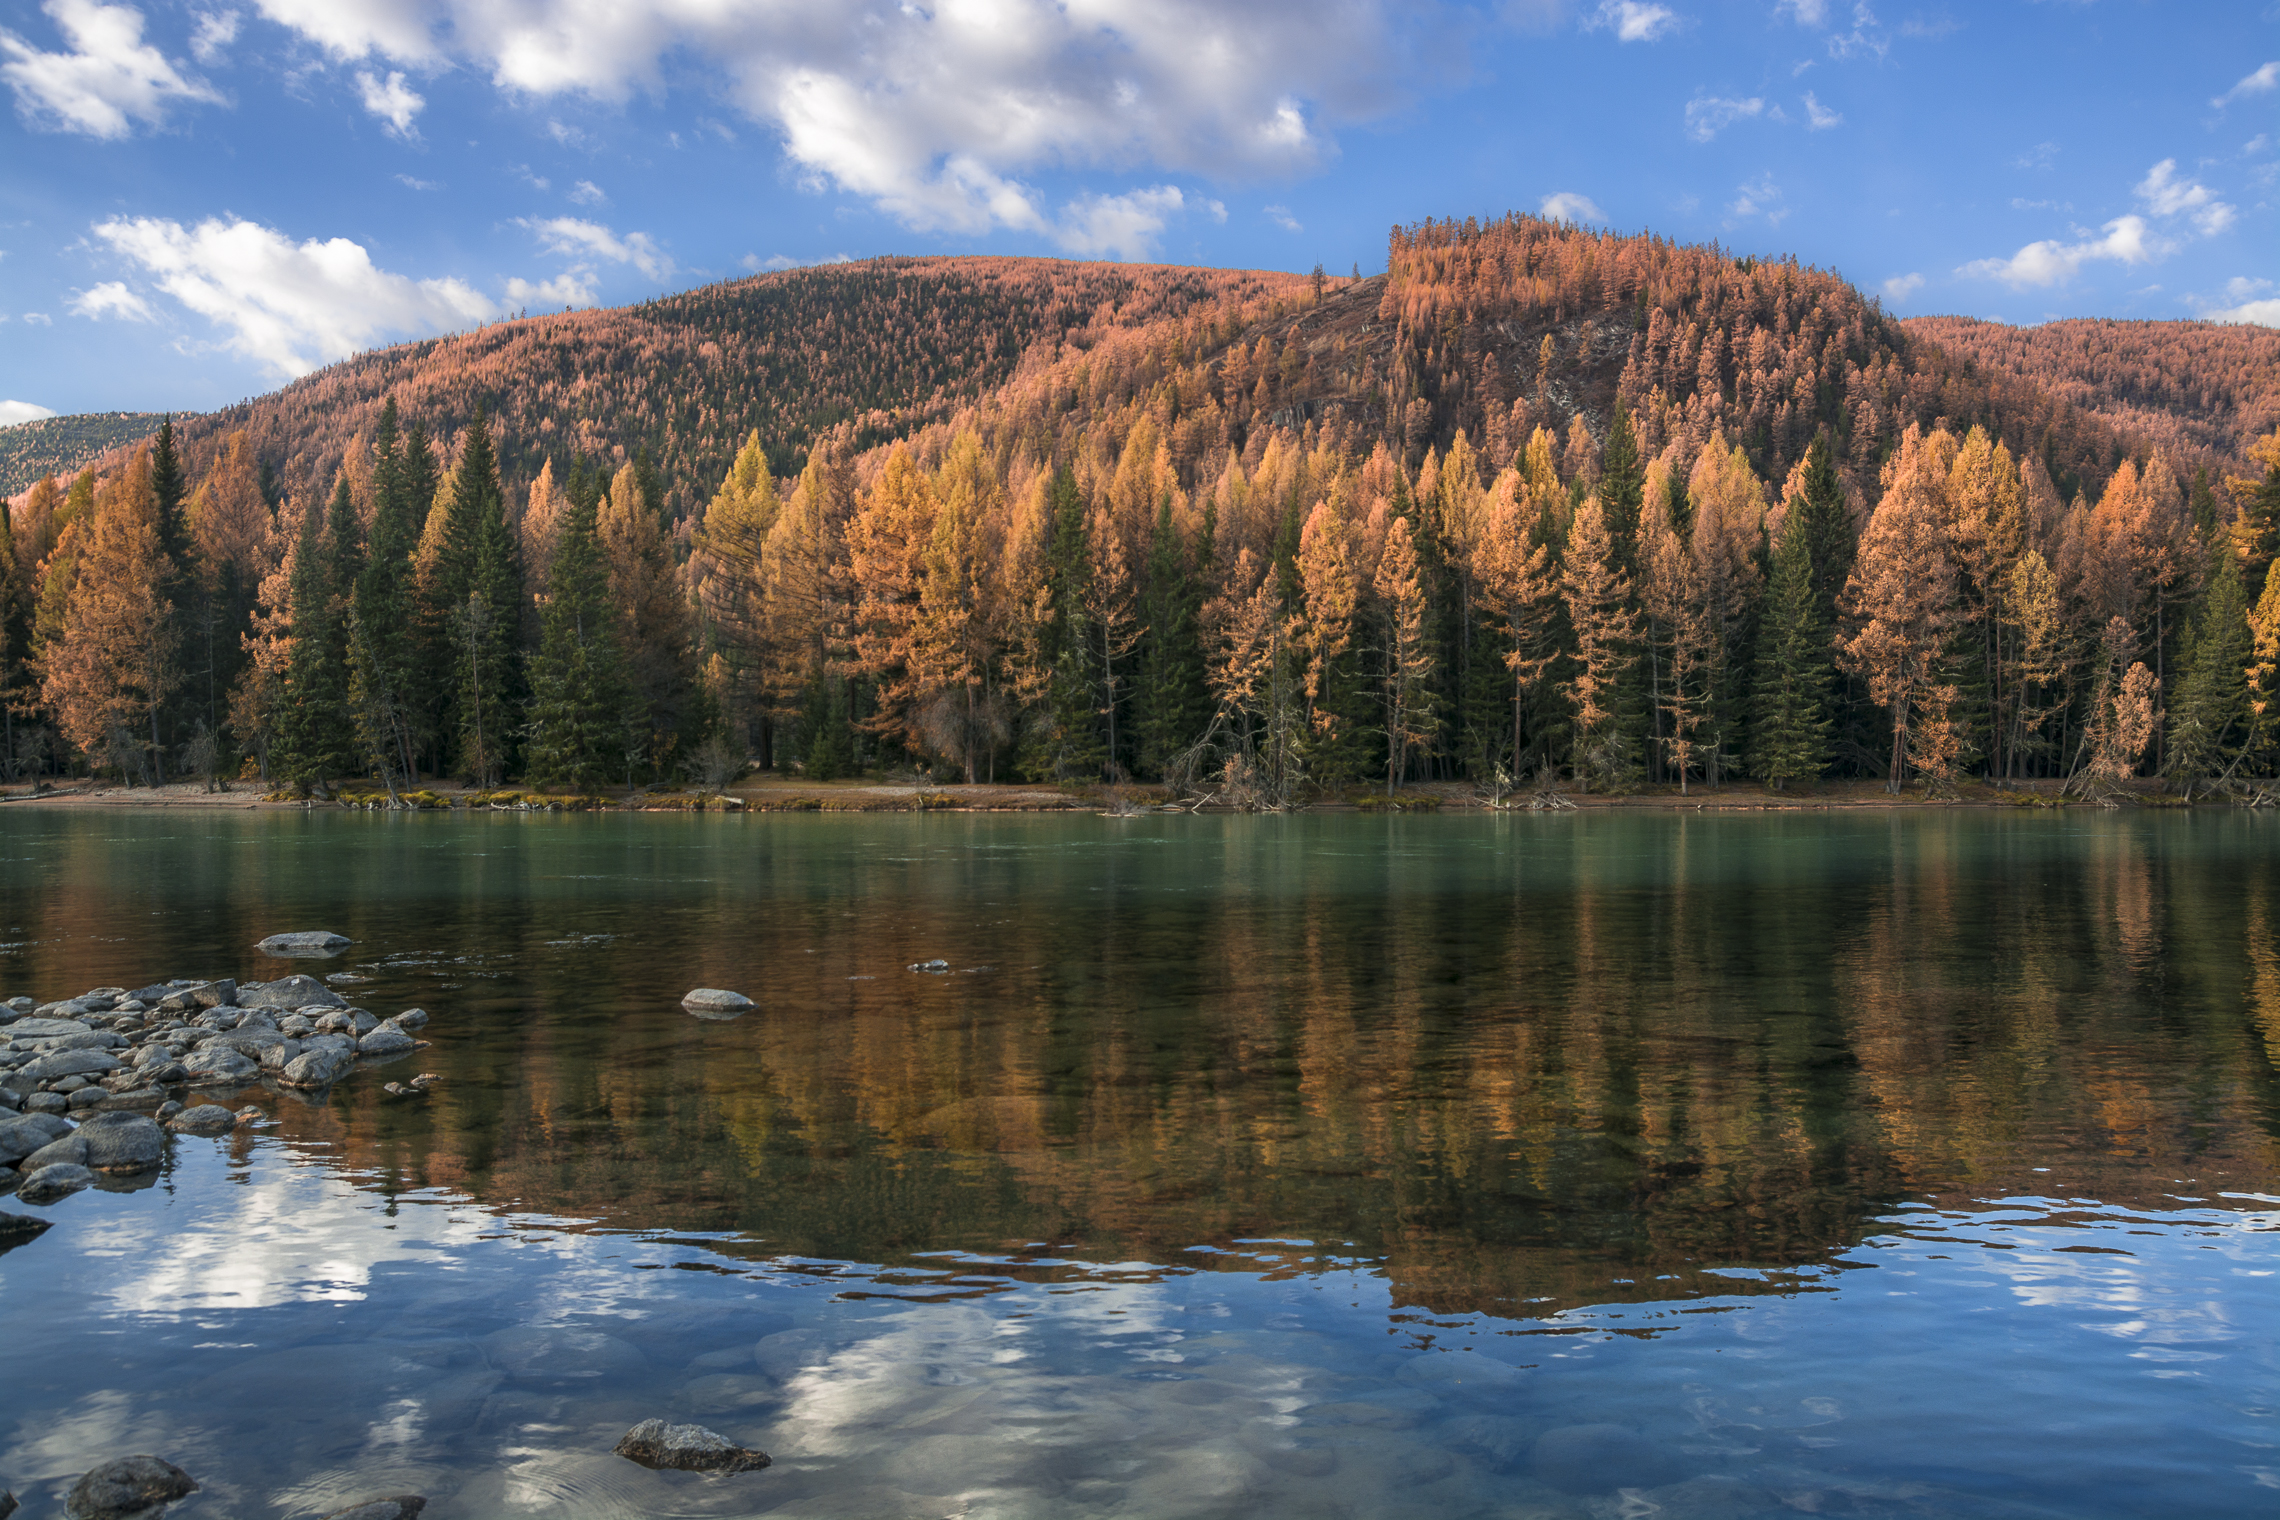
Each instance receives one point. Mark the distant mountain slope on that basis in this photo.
(883, 347)
(2192, 387)
(66, 445)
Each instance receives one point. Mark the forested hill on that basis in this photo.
(882, 347)
(66, 445)
(2188, 387)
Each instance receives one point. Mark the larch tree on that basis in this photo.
(110, 672)
(1900, 602)
(731, 544)
(1599, 608)
(886, 548)
(1518, 584)
(1332, 596)
(953, 646)
(1410, 720)
(229, 527)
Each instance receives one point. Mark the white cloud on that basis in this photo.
(2164, 194)
(287, 306)
(573, 238)
(2241, 287)
(1124, 226)
(1281, 217)
(934, 113)
(2265, 313)
(570, 137)
(111, 299)
(1634, 20)
(2127, 240)
(1708, 115)
(418, 184)
(214, 34)
(13, 412)
(1806, 12)
(1864, 40)
(2020, 203)
(759, 265)
(39, 319)
(1901, 286)
(2263, 82)
(574, 288)
(1760, 197)
(2040, 156)
(587, 193)
(110, 79)
(1569, 206)
(393, 101)
(1820, 118)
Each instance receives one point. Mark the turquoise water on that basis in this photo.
(1605, 1165)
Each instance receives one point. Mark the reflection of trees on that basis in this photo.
(1520, 1061)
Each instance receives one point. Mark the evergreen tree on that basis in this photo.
(384, 678)
(1828, 530)
(1171, 704)
(2208, 721)
(578, 697)
(1065, 743)
(479, 575)
(315, 728)
(1623, 488)
(2260, 530)
(1789, 728)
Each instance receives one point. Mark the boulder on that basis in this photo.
(291, 992)
(45, 1103)
(127, 1486)
(394, 1507)
(411, 1018)
(387, 1040)
(45, 1029)
(135, 1098)
(51, 1183)
(717, 1002)
(154, 993)
(68, 1063)
(280, 1055)
(15, 1229)
(10, 1099)
(205, 1119)
(71, 1150)
(687, 1448)
(305, 944)
(85, 1097)
(319, 1067)
(166, 1073)
(22, 1134)
(122, 1142)
(221, 994)
(218, 1063)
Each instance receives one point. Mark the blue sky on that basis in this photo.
(200, 200)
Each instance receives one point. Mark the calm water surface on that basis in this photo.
(1923, 1164)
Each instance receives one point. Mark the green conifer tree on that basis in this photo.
(2209, 719)
(1789, 728)
(1064, 741)
(578, 697)
(1171, 704)
(481, 580)
(384, 678)
(314, 727)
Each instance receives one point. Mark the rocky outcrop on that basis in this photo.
(687, 1448)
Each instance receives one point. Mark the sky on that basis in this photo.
(200, 201)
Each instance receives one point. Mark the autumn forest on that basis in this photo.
(1537, 508)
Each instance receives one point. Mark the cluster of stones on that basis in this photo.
(116, 1059)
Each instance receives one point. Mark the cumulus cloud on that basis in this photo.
(287, 306)
(392, 100)
(13, 412)
(109, 80)
(574, 238)
(1760, 197)
(587, 193)
(39, 319)
(2263, 82)
(934, 113)
(759, 265)
(2126, 240)
(1634, 20)
(1865, 40)
(2265, 313)
(411, 183)
(2164, 194)
(111, 299)
(1708, 115)
(1123, 226)
(214, 33)
(1281, 217)
(572, 288)
(1820, 118)
(1901, 286)
(1806, 12)
(1569, 206)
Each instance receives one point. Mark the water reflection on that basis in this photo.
(1304, 1166)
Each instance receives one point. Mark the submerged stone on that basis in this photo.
(687, 1448)
(716, 1002)
(128, 1486)
(205, 1119)
(15, 1229)
(306, 943)
(51, 1184)
(295, 991)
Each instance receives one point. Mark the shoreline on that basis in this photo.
(785, 796)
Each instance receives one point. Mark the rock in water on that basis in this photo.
(314, 942)
(127, 1487)
(393, 1507)
(716, 1003)
(68, 1063)
(218, 1063)
(317, 1068)
(7, 1504)
(20, 1137)
(687, 1448)
(52, 1183)
(294, 991)
(387, 1040)
(205, 1119)
(15, 1229)
(121, 1142)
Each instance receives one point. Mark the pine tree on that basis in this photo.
(578, 696)
(652, 625)
(384, 678)
(1170, 703)
(1065, 742)
(1623, 487)
(479, 576)
(1789, 730)
(315, 727)
(1828, 531)
(2208, 722)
